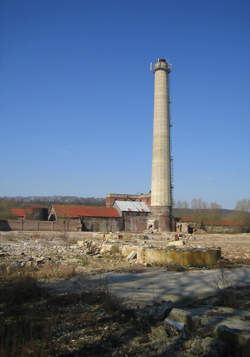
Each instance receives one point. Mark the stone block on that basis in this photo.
(125, 250)
(191, 318)
(176, 243)
(132, 255)
(110, 248)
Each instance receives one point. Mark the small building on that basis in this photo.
(93, 219)
(134, 215)
(31, 213)
(36, 213)
(197, 223)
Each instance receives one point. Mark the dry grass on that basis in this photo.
(45, 271)
(52, 270)
(32, 319)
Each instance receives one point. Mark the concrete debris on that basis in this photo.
(206, 347)
(110, 248)
(178, 325)
(157, 311)
(227, 324)
(233, 332)
(178, 243)
(132, 255)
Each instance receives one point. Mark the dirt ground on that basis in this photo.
(36, 322)
(85, 253)
(234, 247)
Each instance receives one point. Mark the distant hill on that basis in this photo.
(20, 201)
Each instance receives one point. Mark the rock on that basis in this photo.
(178, 243)
(163, 310)
(74, 247)
(178, 325)
(159, 333)
(191, 318)
(229, 325)
(132, 255)
(207, 347)
(80, 269)
(40, 260)
(125, 250)
(234, 336)
(30, 264)
(156, 312)
(109, 248)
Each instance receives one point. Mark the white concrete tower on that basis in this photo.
(161, 195)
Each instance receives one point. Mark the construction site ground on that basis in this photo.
(74, 294)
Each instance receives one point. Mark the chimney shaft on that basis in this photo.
(161, 197)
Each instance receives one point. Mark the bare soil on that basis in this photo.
(234, 247)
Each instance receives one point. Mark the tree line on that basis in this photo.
(22, 201)
(198, 203)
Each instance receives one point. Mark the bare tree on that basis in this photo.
(185, 204)
(198, 203)
(181, 204)
(214, 205)
(243, 205)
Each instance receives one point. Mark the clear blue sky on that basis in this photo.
(76, 100)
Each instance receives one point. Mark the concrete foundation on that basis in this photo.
(184, 257)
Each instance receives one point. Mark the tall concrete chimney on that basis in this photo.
(161, 195)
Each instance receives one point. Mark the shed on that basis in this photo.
(135, 215)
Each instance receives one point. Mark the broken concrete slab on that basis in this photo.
(227, 324)
(174, 256)
(157, 311)
(234, 332)
(110, 248)
(179, 325)
(178, 243)
(132, 255)
(125, 250)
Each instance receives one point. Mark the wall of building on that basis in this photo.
(219, 229)
(184, 227)
(71, 225)
(111, 198)
(36, 213)
(135, 221)
(101, 224)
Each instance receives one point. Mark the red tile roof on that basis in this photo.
(19, 212)
(84, 211)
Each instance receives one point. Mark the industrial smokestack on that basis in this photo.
(161, 195)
